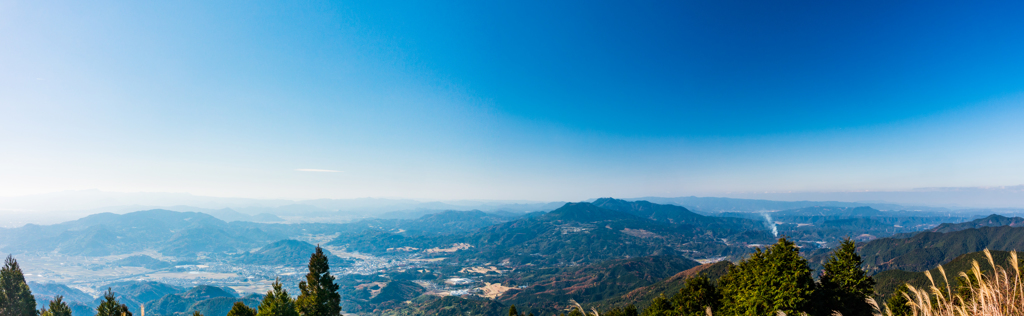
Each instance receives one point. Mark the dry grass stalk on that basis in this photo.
(997, 293)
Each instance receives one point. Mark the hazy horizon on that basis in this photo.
(954, 197)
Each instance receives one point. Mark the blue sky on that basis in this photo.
(509, 100)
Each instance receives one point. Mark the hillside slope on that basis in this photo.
(926, 250)
(887, 281)
(594, 282)
(993, 220)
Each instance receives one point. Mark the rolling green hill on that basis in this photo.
(217, 305)
(926, 250)
(172, 304)
(284, 252)
(993, 220)
(172, 233)
(584, 232)
(593, 282)
(44, 292)
(887, 281)
(142, 291)
(642, 296)
(449, 306)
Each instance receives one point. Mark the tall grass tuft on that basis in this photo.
(996, 293)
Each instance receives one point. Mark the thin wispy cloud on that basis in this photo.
(316, 170)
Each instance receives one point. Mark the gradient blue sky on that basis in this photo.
(509, 100)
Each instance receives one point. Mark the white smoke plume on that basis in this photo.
(771, 223)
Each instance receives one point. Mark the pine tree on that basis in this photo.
(660, 306)
(629, 310)
(240, 309)
(15, 297)
(844, 286)
(696, 296)
(319, 295)
(776, 279)
(111, 307)
(512, 311)
(197, 313)
(277, 303)
(57, 308)
(897, 303)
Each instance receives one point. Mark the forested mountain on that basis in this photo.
(888, 281)
(592, 283)
(993, 220)
(140, 292)
(449, 306)
(674, 214)
(173, 233)
(447, 222)
(925, 250)
(184, 302)
(581, 233)
(584, 232)
(45, 292)
(283, 252)
(671, 214)
(641, 295)
(160, 299)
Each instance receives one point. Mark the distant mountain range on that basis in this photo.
(993, 220)
(886, 282)
(925, 250)
(171, 233)
(584, 232)
(607, 252)
(52, 208)
(63, 206)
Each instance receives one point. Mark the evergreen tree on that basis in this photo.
(897, 303)
(197, 313)
(57, 308)
(660, 306)
(111, 307)
(696, 296)
(15, 297)
(240, 309)
(844, 286)
(629, 310)
(319, 295)
(277, 303)
(512, 311)
(776, 279)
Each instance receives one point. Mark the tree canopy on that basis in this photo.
(240, 309)
(319, 294)
(111, 307)
(277, 302)
(57, 307)
(15, 297)
(844, 286)
(772, 280)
